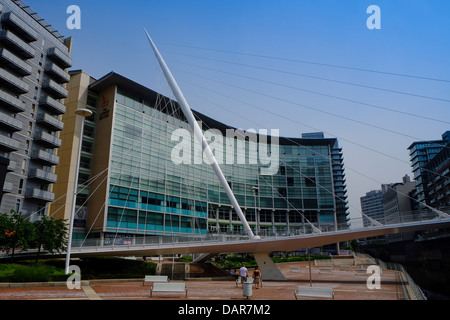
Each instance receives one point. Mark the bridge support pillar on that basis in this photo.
(268, 268)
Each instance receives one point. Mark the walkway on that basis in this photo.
(345, 283)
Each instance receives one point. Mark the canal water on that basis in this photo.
(434, 280)
(427, 262)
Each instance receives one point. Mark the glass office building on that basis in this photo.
(421, 153)
(130, 185)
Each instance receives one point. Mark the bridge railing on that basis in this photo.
(411, 289)
(406, 217)
(156, 240)
(120, 240)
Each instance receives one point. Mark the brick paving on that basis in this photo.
(346, 284)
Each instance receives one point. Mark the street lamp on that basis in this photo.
(83, 113)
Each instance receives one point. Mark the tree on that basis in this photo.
(17, 233)
(50, 235)
(5, 226)
(354, 245)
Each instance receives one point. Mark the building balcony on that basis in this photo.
(12, 82)
(12, 166)
(341, 195)
(58, 74)
(54, 89)
(9, 123)
(10, 102)
(14, 63)
(43, 175)
(7, 187)
(40, 195)
(50, 122)
(9, 144)
(53, 107)
(60, 58)
(45, 157)
(17, 45)
(48, 139)
(19, 27)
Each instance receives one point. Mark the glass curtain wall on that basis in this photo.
(150, 194)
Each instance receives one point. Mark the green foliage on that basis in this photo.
(51, 235)
(236, 261)
(92, 268)
(6, 271)
(18, 234)
(30, 273)
(114, 268)
(187, 258)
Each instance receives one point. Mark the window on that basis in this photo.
(310, 181)
(265, 216)
(85, 162)
(290, 181)
(18, 205)
(224, 213)
(88, 146)
(24, 164)
(89, 131)
(310, 203)
(20, 186)
(279, 216)
(172, 222)
(186, 223)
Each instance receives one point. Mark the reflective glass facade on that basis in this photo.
(149, 194)
(421, 153)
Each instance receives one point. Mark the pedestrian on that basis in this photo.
(257, 277)
(243, 272)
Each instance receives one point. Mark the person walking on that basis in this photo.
(243, 273)
(235, 274)
(257, 277)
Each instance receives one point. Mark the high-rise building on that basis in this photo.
(421, 152)
(131, 182)
(372, 205)
(34, 58)
(438, 185)
(397, 201)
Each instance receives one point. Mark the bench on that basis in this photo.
(317, 292)
(153, 279)
(169, 287)
(345, 267)
(362, 272)
(295, 269)
(326, 270)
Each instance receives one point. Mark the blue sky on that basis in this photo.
(414, 39)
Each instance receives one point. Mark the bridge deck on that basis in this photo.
(289, 243)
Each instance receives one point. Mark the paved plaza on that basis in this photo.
(346, 282)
